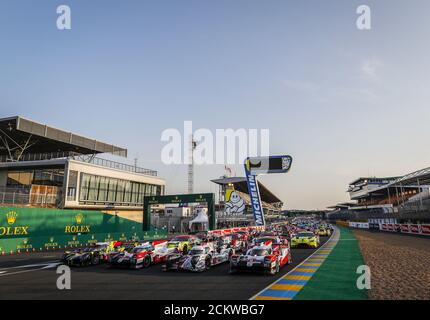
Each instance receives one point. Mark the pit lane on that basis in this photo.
(33, 276)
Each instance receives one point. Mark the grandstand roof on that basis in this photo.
(423, 176)
(343, 205)
(410, 180)
(372, 179)
(240, 184)
(19, 136)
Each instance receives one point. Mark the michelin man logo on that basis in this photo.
(235, 204)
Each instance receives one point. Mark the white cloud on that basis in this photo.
(369, 69)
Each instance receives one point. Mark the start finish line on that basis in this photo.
(263, 165)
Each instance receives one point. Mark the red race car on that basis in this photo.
(143, 255)
(267, 259)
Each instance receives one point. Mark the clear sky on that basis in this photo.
(344, 103)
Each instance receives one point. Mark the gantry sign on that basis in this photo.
(263, 165)
(208, 198)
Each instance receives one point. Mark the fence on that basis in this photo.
(83, 158)
(27, 198)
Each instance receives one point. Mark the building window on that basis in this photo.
(93, 189)
(104, 190)
(85, 185)
(72, 185)
(112, 190)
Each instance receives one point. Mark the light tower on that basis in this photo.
(191, 149)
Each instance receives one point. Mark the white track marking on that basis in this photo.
(44, 266)
(32, 265)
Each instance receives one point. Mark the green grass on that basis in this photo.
(336, 278)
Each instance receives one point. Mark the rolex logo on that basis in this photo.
(79, 218)
(11, 217)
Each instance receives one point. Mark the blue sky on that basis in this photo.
(344, 103)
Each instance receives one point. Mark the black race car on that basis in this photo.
(92, 255)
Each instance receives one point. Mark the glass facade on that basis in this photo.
(44, 177)
(103, 190)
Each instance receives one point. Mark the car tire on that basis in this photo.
(185, 250)
(95, 260)
(208, 263)
(274, 270)
(146, 261)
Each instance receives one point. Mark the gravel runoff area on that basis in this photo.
(399, 265)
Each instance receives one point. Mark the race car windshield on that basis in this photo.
(180, 239)
(91, 249)
(259, 252)
(261, 240)
(194, 252)
(305, 234)
(141, 249)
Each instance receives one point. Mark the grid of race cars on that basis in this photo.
(246, 249)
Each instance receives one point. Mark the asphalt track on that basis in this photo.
(33, 276)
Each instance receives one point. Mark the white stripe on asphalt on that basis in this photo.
(32, 265)
(45, 266)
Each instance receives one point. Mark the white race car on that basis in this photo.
(262, 259)
(198, 259)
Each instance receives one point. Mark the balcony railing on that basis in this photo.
(28, 199)
(83, 158)
(120, 166)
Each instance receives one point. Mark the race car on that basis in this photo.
(92, 255)
(142, 256)
(198, 259)
(305, 239)
(261, 259)
(239, 242)
(183, 243)
(265, 241)
(324, 232)
(120, 247)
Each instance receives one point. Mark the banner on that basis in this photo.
(419, 229)
(359, 225)
(35, 229)
(255, 166)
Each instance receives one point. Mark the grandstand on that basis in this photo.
(41, 166)
(403, 198)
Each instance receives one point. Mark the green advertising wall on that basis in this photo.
(23, 229)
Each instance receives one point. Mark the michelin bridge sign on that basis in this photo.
(255, 166)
